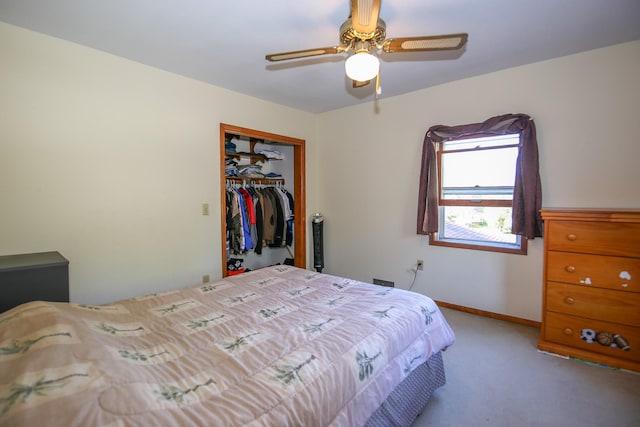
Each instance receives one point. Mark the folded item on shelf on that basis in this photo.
(229, 147)
(272, 154)
(252, 168)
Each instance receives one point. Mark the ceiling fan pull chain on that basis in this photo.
(378, 88)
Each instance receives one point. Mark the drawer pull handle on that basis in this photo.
(570, 268)
(571, 237)
(568, 331)
(569, 300)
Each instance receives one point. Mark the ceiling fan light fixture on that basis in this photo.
(362, 66)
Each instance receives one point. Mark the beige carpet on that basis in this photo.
(497, 377)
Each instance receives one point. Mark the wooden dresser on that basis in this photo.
(591, 292)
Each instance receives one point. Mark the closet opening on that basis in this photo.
(265, 172)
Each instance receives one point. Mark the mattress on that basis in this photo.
(279, 346)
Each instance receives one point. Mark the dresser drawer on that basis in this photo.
(591, 237)
(601, 304)
(569, 330)
(619, 273)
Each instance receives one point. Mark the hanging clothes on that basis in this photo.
(289, 232)
(235, 229)
(251, 215)
(257, 227)
(279, 217)
(268, 216)
(258, 217)
(246, 221)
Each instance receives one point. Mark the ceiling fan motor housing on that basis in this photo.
(348, 35)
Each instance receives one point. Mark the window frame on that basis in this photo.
(518, 248)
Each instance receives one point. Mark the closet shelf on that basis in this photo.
(267, 181)
(252, 156)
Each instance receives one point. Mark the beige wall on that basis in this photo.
(109, 161)
(586, 111)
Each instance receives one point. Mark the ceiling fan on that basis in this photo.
(363, 32)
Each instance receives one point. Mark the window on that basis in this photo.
(475, 195)
(480, 185)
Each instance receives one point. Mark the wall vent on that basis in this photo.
(383, 283)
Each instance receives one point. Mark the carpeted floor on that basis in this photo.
(497, 377)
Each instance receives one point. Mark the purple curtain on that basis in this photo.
(527, 195)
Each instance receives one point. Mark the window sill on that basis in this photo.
(484, 246)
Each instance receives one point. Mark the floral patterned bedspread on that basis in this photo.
(279, 346)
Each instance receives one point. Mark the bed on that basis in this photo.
(278, 346)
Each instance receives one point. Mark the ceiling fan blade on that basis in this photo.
(425, 43)
(360, 84)
(304, 53)
(364, 15)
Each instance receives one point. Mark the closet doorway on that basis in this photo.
(294, 182)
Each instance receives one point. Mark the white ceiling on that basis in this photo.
(224, 42)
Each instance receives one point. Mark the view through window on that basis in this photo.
(477, 178)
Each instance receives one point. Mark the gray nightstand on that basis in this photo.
(33, 277)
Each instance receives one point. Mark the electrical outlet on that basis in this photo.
(205, 209)
(420, 265)
(205, 278)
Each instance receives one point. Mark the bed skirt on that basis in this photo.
(408, 400)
